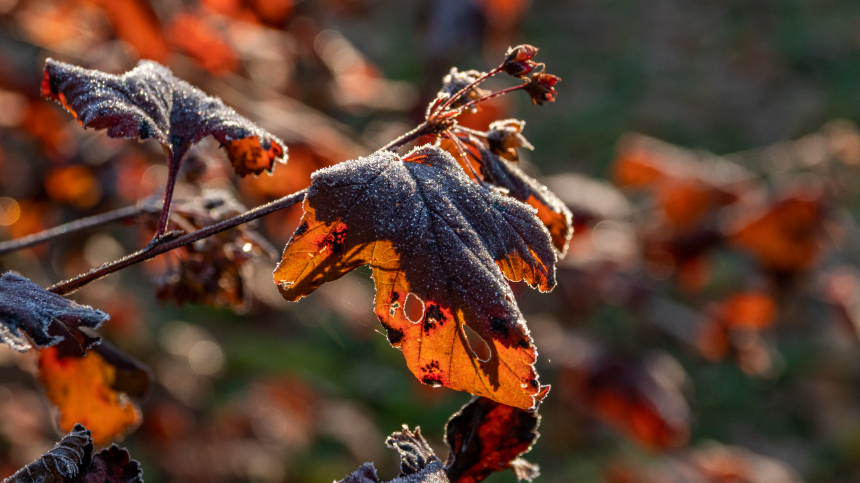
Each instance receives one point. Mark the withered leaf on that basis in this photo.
(27, 311)
(485, 437)
(418, 463)
(150, 102)
(437, 240)
(94, 389)
(554, 214)
(111, 465)
(211, 271)
(61, 463)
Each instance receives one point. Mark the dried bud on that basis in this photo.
(518, 61)
(540, 88)
(505, 137)
(455, 81)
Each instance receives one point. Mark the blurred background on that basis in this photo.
(705, 327)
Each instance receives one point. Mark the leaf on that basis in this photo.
(550, 209)
(61, 463)
(94, 389)
(211, 271)
(783, 235)
(418, 463)
(485, 437)
(111, 465)
(72, 461)
(642, 402)
(437, 240)
(30, 313)
(150, 102)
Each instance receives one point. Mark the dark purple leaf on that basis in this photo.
(47, 319)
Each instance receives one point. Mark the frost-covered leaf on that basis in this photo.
(554, 214)
(150, 102)
(485, 437)
(30, 313)
(440, 247)
(61, 463)
(94, 389)
(111, 465)
(418, 463)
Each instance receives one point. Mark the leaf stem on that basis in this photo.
(166, 245)
(120, 215)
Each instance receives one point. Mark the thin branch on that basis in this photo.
(420, 130)
(490, 96)
(152, 251)
(116, 216)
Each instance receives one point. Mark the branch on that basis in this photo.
(152, 251)
(76, 226)
(420, 130)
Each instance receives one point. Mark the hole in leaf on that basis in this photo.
(413, 308)
(477, 344)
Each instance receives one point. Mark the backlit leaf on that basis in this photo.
(150, 102)
(486, 437)
(436, 240)
(94, 389)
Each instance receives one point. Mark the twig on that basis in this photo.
(420, 130)
(122, 214)
(152, 251)
(490, 96)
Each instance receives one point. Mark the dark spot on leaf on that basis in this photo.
(394, 336)
(500, 326)
(335, 240)
(301, 229)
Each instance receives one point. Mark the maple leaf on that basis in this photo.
(485, 437)
(30, 313)
(94, 389)
(435, 238)
(72, 461)
(553, 212)
(150, 102)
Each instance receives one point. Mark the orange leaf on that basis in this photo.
(436, 239)
(84, 391)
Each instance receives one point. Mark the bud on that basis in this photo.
(540, 87)
(518, 61)
(504, 137)
(455, 80)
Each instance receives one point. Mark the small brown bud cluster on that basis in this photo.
(505, 136)
(540, 87)
(518, 60)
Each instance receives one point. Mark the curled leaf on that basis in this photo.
(61, 463)
(418, 463)
(504, 137)
(150, 102)
(485, 437)
(30, 313)
(437, 241)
